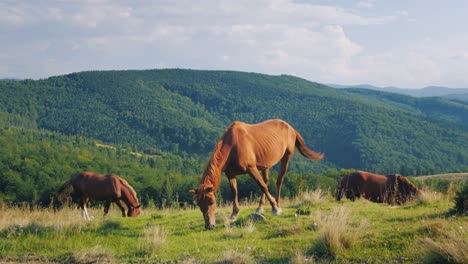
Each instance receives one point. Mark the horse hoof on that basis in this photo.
(209, 227)
(232, 218)
(277, 212)
(259, 210)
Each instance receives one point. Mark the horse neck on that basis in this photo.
(128, 197)
(215, 166)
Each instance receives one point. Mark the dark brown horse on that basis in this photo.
(108, 188)
(391, 189)
(246, 148)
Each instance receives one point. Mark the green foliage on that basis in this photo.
(157, 128)
(461, 200)
(35, 163)
(185, 112)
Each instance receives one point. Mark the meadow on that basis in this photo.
(314, 228)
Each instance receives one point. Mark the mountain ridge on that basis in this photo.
(186, 111)
(428, 91)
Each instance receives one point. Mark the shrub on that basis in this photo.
(461, 200)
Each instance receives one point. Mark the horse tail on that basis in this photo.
(304, 150)
(61, 191)
(130, 188)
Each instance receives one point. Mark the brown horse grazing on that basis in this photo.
(392, 189)
(249, 148)
(107, 188)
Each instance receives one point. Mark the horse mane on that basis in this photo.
(214, 166)
(217, 160)
(130, 188)
(66, 187)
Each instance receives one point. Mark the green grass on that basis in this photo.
(368, 233)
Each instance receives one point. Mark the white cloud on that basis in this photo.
(403, 13)
(270, 36)
(366, 4)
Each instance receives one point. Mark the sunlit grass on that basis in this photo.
(358, 230)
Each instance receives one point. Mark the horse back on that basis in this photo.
(263, 143)
(97, 186)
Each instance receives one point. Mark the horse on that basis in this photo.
(249, 149)
(108, 188)
(391, 189)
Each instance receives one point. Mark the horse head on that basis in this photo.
(133, 211)
(206, 200)
(407, 188)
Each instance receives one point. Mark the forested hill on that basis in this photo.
(185, 112)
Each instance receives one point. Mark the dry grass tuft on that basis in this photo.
(229, 230)
(154, 240)
(311, 198)
(249, 226)
(451, 247)
(335, 233)
(300, 258)
(97, 254)
(290, 230)
(308, 200)
(233, 256)
(428, 196)
(67, 220)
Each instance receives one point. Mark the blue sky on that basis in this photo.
(408, 44)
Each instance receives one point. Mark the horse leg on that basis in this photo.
(281, 173)
(235, 201)
(84, 211)
(120, 205)
(266, 178)
(82, 207)
(106, 207)
(339, 192)
(255, 174)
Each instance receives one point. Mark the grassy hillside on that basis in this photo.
(445, 176)
(312, 229)
(185, 111)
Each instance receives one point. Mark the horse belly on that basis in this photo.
(102, 192)
(269, 156)
(374, 192)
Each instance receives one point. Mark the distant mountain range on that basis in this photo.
(446, 92)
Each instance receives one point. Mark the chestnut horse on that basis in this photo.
(108, 188)
(391, 189)
(249, 148)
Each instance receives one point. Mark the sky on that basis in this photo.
(408, 44)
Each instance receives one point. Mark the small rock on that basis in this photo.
(257, 217)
